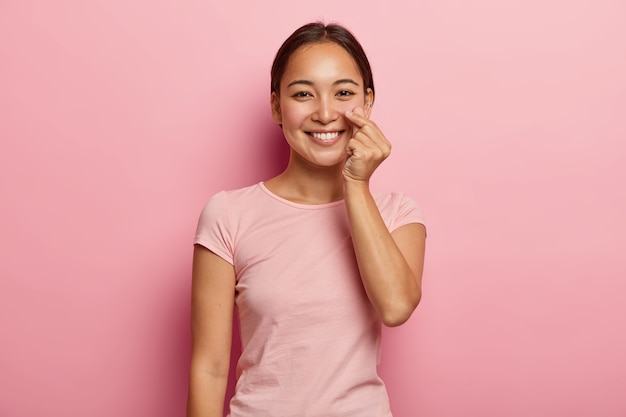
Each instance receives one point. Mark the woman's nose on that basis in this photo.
(326, 112)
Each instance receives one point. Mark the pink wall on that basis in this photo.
(119, 118)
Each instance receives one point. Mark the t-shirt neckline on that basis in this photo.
(299, 205)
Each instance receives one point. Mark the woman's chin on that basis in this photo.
(325, 160)
(329, 163)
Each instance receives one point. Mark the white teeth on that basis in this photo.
(325, 136)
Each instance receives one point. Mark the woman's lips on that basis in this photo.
(326, 138)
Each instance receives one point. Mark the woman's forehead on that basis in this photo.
(321, 61)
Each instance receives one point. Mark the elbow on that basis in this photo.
(395, 320)
(399, 313)
(205, 369)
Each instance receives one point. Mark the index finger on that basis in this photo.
(356, 117)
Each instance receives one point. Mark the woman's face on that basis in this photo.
(321, 82)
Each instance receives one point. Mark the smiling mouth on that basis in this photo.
(325, 136)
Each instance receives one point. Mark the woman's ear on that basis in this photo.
(275, 103)
(369, 102)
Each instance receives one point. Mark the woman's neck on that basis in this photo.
(307, 184)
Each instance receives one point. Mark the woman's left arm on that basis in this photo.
(390, 264)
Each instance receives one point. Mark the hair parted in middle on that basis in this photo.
(318, 32)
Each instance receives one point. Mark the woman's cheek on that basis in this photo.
(344, 106)
(291, 119)
(354, 103)
(350, 105)
(294, 115)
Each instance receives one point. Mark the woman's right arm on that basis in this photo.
(212, 306)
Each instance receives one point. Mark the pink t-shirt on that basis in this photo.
(310, 336)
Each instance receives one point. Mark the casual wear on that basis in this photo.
(310, 337)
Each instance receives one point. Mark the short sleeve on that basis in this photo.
(214, 230)
(398, 210)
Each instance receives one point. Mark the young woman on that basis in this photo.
(312, 260)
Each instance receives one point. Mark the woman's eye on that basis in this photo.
(345, 93)
(302, 94)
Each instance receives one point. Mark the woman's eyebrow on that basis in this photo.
(296, 82)
(346, 81)
(307, 82)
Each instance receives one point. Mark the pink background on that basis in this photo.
(118, 119)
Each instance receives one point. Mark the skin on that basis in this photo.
(321, 92)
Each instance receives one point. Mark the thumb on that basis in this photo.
(358, 111)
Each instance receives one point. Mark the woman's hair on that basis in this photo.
(317, 32)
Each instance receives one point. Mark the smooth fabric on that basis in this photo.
(310, 336)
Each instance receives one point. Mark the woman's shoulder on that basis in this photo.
(393, 198)
(397, 208)
(248, 192)
(225, 201)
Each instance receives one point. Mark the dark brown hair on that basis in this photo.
(317, 32)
